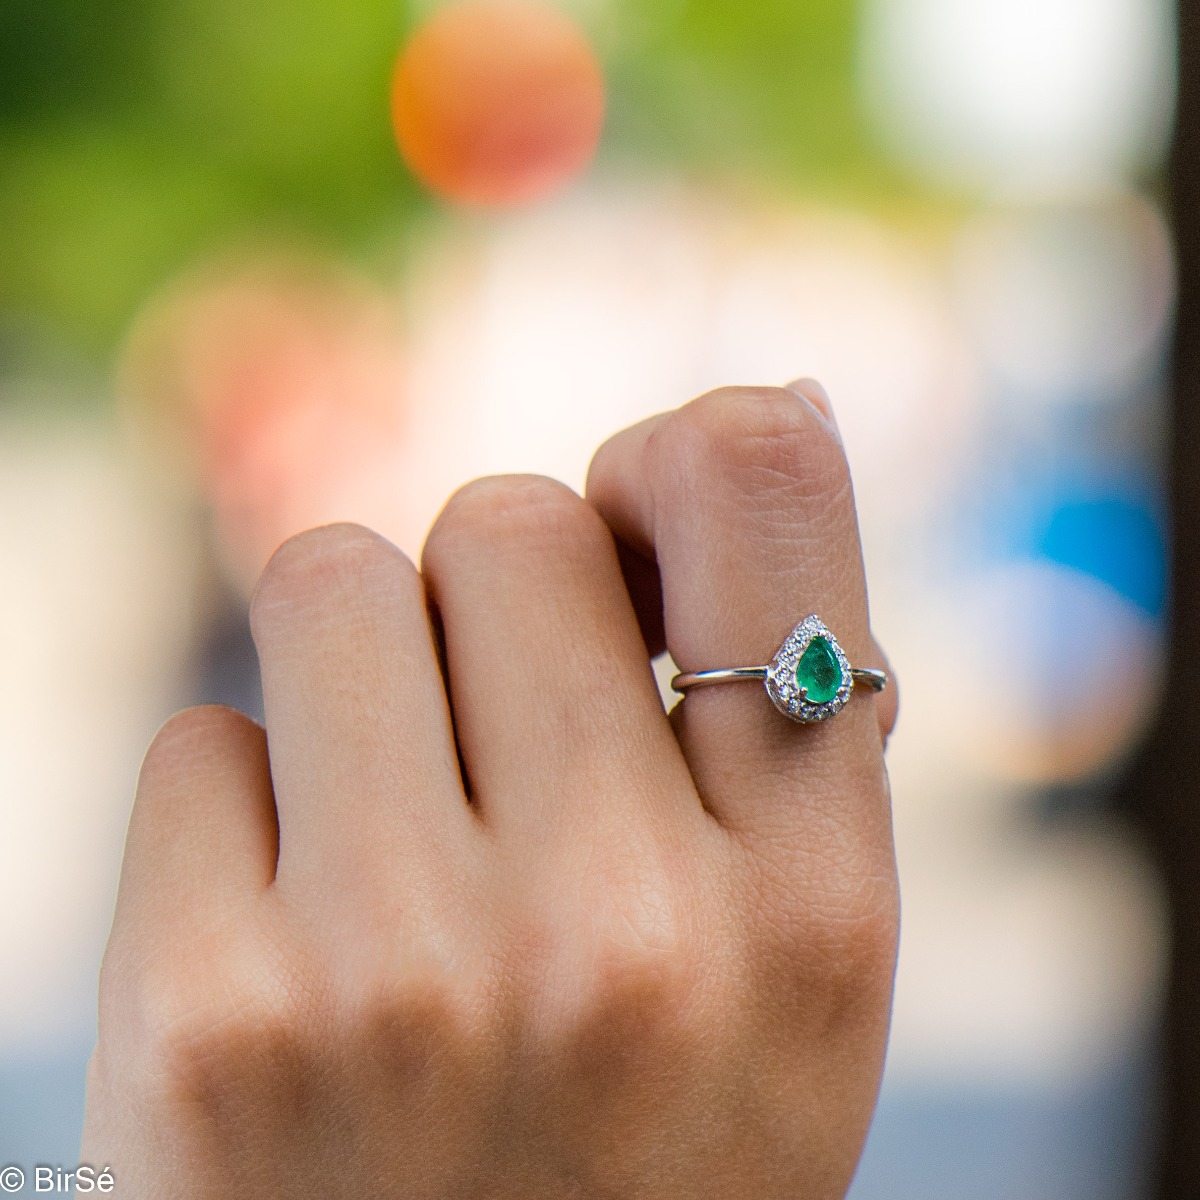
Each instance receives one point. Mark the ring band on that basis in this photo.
(809, 679)
(866, 676)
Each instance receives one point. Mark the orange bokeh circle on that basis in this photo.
(497, 102)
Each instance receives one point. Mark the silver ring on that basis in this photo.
(809, 679)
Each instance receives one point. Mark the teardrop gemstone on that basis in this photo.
(818, 672)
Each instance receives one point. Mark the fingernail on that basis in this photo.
(818, 397)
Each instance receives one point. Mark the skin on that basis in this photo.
(472, 917)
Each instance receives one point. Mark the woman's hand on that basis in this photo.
(499, 927)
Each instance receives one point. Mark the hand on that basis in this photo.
(508, 930)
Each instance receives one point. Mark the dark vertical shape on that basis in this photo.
(1164, 786)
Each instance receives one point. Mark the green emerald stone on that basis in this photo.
(819, 673)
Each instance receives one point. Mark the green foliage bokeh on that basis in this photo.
(138, 134)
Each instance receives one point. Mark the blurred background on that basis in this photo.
(264, 266)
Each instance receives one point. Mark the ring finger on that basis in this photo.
(743, 499)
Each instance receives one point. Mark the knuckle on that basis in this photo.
(628, 958)
(850, 940)
(761, 439)
(205, 1015)
(856, 967)
(312, 567)
(864, 933)
(420, 1024)
(636, 908)
(529, 508)
(638, 974)
(640, 1001)
(835, 935)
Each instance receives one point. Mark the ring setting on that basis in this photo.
(809, 679)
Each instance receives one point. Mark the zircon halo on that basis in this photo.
(809, 678)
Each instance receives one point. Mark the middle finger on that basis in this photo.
(554, 700)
